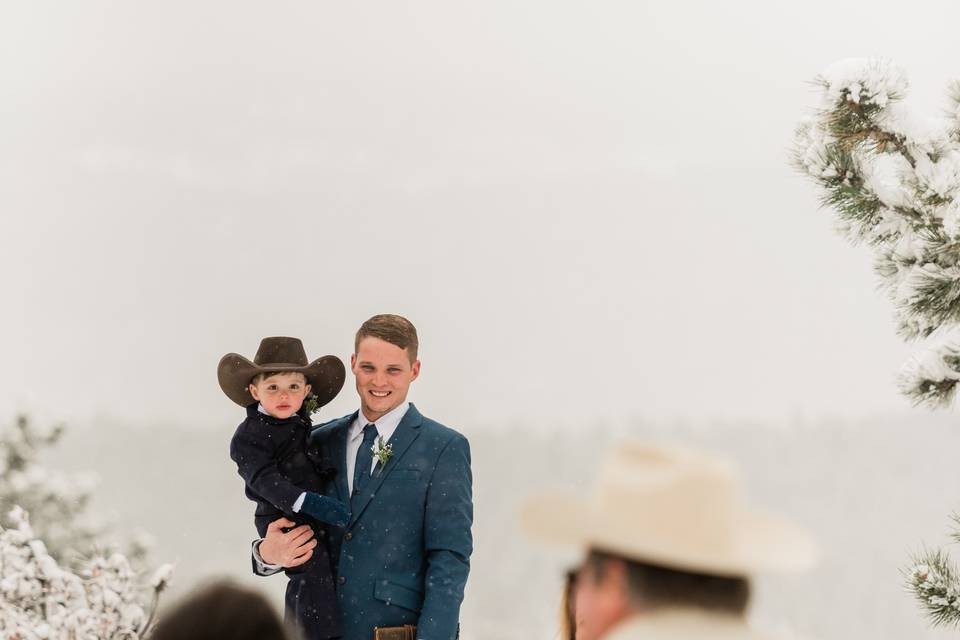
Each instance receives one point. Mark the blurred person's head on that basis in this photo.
(221, 611)
(384, 363)
(611, 588)
(665, 530)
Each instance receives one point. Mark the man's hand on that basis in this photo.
(290, 549)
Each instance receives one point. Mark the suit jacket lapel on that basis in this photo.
(407, 431)
(338, 454)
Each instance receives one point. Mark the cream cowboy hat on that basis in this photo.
(674, 508)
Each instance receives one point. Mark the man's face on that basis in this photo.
(384, 373)
(282, 394)
(600, 601)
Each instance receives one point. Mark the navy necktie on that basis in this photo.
(361, 472)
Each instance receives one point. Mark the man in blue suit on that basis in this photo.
(404, 557)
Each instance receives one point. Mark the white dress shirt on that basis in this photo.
(386, 425)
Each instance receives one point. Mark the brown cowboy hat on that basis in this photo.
(324, 375)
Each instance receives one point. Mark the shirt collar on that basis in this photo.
(385, 425)
(297, 418)
(685, 624)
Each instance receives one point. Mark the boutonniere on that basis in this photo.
(382, 452)
(311, 406)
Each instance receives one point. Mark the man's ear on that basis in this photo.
(307, 389)
(618, 572)
(253, 391)
(616, 583)
(415, 368)
(353, 362)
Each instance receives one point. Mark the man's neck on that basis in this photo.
(372, 416)
(678, 622)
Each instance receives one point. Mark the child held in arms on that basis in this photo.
(280, 390)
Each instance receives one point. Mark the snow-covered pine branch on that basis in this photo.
(930, 376)
(61, 578)
(57, 502)
(934, 581)
(39, 599)
(894, 182)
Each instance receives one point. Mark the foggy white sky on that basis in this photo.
(585, 208)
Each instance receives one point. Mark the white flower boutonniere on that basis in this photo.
(382, 452)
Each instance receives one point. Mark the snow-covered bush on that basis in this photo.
(39, 599)
(59, 579)
(56, 501)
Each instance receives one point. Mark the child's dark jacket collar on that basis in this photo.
(253, 411)
(323, 466)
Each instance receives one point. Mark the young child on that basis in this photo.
(277, 463)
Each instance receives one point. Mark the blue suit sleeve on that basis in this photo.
(448, 542)
(258, 468)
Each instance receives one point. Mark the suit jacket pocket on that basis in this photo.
(395, 594)
(404, 474)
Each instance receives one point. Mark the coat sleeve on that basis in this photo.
(261, 568)
(448, 542)
(257, 465)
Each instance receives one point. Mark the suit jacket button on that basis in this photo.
(348, 535)
(342, 579)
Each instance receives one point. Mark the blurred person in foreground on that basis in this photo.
(568, 615)
(222, 611)
(670, 547)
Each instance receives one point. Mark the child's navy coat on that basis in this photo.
(277, 464)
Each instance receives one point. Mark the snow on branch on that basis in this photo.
(934, 581)
(59, 579)
(58, 502)
(39, 599)
(893, 180)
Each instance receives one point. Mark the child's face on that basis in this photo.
(282, 394)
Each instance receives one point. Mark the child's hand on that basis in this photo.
(325, 509)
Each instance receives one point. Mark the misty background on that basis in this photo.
(585, 208)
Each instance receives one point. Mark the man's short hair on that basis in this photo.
(653, 586)
(391, 328)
